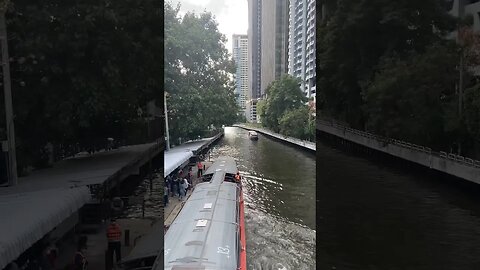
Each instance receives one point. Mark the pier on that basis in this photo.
(56, 195)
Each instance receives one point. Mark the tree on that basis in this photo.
(472, 118)
(355, 35)
(80, 71)
(409, 99)
(295, 123)
(198, 73)
(282, 95)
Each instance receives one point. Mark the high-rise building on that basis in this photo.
(240, 56)
(461, 8)
(254, 57)
(251, 111)
(274, 41)
(254, 43)
(301, 50)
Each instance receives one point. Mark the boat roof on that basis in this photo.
(226, 164)
(148, 246)
(28, 216)
(205, 233)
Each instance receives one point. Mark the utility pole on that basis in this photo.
(460, 85)
(12, 159)
(166, 120)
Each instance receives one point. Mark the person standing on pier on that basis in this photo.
(80, 261)
(171, 185)
(186, 185)
(114, 235)
(182, 191)
(200, 168)
(189, 176)
(176, 186)
(165, 195)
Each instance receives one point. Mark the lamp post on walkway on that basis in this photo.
(12, 159)
(166, 120)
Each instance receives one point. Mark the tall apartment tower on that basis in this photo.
(254, 43)
(240, 56)
(274, 41)
(254, 58)
(301, 49)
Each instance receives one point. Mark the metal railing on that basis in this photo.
(450, 156)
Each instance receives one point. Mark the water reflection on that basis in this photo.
(376, 214)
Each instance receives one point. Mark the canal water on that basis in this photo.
(146, 201)
(376, 214)
(279, 192)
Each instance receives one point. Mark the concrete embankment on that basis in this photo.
(450, 164)
(297, 142)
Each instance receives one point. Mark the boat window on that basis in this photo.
(207, 177)
(230, 178)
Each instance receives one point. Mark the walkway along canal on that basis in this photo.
(279, 190)
(306, 145)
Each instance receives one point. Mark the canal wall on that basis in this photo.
(450, 164)
(297, 142)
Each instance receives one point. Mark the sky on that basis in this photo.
(231, 15)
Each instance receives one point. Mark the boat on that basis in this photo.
(209, 231)
(253, 135)
(147, 251)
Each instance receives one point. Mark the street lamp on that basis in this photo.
(8, 96)
(166, 119)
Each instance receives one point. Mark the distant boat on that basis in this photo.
(253, 135)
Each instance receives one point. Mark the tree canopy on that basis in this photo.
(355, 35)
(284, 110)
(81, 70)
(393, 68)
(198, 75)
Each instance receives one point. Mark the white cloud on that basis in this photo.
(231, 15)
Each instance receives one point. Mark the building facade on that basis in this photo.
(301, 49)
(274, 41)
(251, 111)
(254, 43)
(240, 56)
(254, 58)
(461, 8)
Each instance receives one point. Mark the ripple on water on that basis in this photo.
(275, 243)
(275, 239)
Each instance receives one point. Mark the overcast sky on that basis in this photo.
(231, 15)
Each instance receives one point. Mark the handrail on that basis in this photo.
(442, 154)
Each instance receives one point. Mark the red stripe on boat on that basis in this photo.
(243, 250)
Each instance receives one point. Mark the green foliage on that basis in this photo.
(261, 107)
(357, 34)
(282, 95)
(284, 109)
(197, 75)
(296, 123)
(386, 66)
(409, 98)
(472, 111)
(80, 70)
